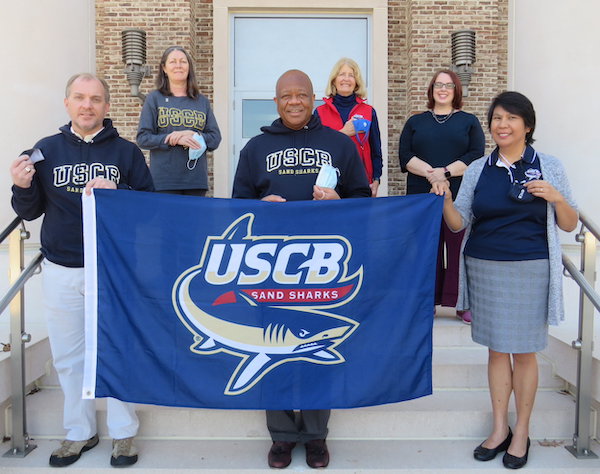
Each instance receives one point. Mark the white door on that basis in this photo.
(267, 46)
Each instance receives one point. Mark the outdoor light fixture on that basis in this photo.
(134, 57)
(463, 56)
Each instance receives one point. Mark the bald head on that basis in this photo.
(295, 99)
(293, 77)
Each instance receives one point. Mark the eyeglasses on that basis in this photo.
(441, 85)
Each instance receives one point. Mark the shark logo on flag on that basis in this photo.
(268, 300)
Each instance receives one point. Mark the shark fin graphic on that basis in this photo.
(208, 344)
(242, 227)
(326, 355)
(248, 373)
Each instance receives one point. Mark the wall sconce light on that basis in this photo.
(463, 56)
(134, 57)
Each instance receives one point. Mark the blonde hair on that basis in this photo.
(360, 90)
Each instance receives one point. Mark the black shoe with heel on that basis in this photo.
(513, 462)
(487, 454)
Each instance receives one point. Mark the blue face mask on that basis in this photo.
(193, 154)
(327, 177)
(361, 127)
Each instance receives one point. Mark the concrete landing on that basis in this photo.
(356, 457)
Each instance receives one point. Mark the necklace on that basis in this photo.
(507, 161)
(442, 120)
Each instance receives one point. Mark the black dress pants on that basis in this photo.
(297, 427)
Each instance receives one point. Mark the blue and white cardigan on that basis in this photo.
(554, 173)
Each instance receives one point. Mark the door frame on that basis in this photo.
(223, 99)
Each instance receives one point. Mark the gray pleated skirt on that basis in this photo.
(509, 304)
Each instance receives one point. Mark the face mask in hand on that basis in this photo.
(361, 127)
(327, 177)
(193, 154)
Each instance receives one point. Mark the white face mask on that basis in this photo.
(327, 177)
(193, 155)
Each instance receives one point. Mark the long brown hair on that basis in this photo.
(162, 80)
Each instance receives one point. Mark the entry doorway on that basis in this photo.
(265, 46)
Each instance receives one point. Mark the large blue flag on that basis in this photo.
(223, 303)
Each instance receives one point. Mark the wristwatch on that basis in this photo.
(447, 173)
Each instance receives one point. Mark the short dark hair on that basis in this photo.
(515, 103)
(457, 101)
(162, 80)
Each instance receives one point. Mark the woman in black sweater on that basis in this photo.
(438, 145)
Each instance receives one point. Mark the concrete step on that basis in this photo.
(447, 414)
(449, 331)
(465, 367)
(347, 457)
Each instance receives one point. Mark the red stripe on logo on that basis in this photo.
(225, 298)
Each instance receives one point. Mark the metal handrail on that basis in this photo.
(582, 282)
(18, 285)
(20, 442)
(27, 272)
(9, 228)
(589, 225)
(585, 277)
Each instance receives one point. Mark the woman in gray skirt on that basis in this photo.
(511, 203)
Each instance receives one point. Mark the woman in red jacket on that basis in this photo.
(345, 101)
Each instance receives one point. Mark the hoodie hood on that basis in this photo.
(278, 128)
(107, 132)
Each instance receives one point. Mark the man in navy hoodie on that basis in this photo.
(281, 165)
(49, 179)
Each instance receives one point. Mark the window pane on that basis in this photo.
(266, 47)
(257, 113)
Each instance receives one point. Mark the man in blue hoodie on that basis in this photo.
(49, 179)
(281, 165)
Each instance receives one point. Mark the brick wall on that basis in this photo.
(166, 23)
(399, 78)
(419, 43)
(186, 23)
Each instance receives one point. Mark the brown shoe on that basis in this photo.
(280, 454)
(317, 454)
(124, 453)
(70, 451)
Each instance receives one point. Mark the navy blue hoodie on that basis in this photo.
(60, 180)
(286, 162)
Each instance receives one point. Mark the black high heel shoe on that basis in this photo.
(487, 454)
(513, 462)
